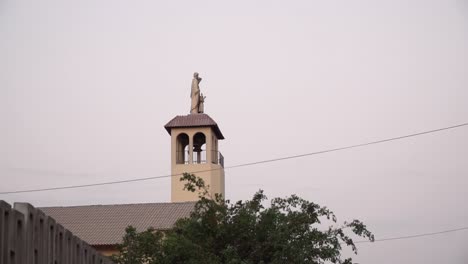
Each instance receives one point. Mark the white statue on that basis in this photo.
(197, 100)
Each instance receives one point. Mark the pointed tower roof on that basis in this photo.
(194, 120)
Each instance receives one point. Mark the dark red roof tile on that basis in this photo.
(194, 120)
(105, 224)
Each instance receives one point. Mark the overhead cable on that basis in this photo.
(240, 165)
(414, 236)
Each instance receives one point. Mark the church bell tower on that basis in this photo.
(194, 148)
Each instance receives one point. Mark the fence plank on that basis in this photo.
(4, 213)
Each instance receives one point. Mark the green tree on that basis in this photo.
(138, 248)
(289, 230)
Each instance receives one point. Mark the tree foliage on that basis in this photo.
(289, 230)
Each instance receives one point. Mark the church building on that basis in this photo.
(194, 149)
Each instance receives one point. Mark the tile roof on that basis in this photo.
(194, 120)
(105, 224)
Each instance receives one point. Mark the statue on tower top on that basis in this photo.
(197, 97)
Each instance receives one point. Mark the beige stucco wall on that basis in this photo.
(212, 174)
(107, 250)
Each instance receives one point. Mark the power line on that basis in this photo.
(240, 165)
(349, 147)
(414, 236)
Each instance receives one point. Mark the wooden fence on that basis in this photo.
(28, 236)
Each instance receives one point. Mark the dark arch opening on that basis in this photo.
(199, 152)
(182, 149)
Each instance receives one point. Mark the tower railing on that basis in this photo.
(221, 159)
(199, 157)
(217, 157)
(183, 157)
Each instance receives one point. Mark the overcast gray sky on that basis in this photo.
(86, 87)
